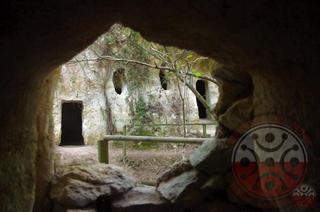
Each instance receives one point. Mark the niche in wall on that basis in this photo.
(118, 80)
(163, 79)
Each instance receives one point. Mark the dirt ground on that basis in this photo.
(145, 165)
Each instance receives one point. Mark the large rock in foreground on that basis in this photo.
(142, 198)
(78, 186)
(237, 114)
(212, 157)
(184, 188)
(175, 170)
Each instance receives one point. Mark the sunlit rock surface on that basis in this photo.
(105, 106)
(183, 188)
(174, 170)
(78, 186)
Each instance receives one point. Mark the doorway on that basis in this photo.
(71, 123)
(201, 88)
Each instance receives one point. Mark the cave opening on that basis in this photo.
(201, 88)
(282, 71)
(122, 96)
(71, 123)
(117, 95)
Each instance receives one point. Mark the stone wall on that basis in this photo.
(74, 85)
(45, 145)
(94, 83)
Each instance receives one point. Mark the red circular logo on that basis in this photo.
(269, 161)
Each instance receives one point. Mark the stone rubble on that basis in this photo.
(186, 185)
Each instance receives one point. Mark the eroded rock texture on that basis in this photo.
(181, 188)
(141, 198)
(79, 186)
(45, 146)
(275, 42)
(234, 106)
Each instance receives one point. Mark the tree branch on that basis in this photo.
(199, 96)
(202, 77)
(154, 66)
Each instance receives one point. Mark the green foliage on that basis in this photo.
(141, 115)
(197, 73)
(141, 111)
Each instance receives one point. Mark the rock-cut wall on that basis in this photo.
(115, 96)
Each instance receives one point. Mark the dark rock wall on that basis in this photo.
(276, 42)
(45, 144)
(18, 148)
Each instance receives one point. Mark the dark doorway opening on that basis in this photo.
(71, 123)
(201, 88)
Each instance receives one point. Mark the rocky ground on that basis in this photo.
(146, 165)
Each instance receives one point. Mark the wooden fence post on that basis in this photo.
(103, 151)
(204, 130)
(124, 143)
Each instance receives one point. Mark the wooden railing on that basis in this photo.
(204, 126)
(103, 145)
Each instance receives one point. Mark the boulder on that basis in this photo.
(212, 157)
(79, 186)
(142, 198)
(238, 114)
(175, 170)
(184, 188)
(233, 86)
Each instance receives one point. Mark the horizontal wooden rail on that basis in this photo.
(204, 126)
(187, 124)
(103, 145)
(154, 139)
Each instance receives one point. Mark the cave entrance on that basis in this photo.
(123, 97)
(71, 123)
(201, 88)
